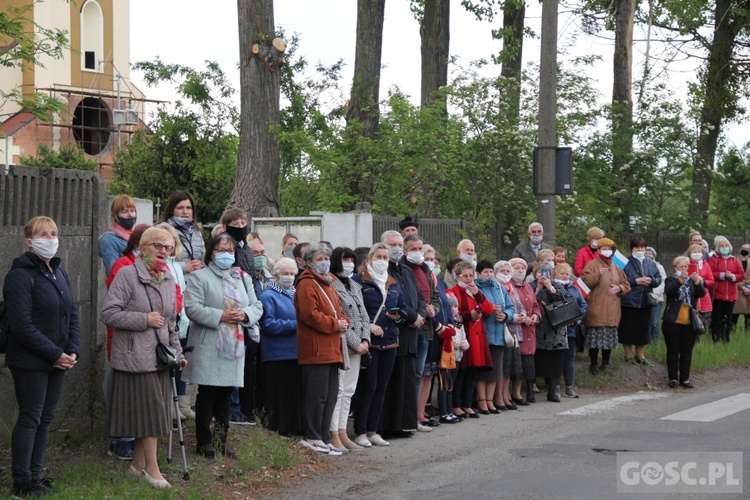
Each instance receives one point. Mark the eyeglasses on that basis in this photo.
(160, 246)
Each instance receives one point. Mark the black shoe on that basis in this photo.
(513, 406)
(449, 420)
(594, 369)
(687, 385)
(45, 485)
(484, 412)
(519, 402)
(673, 384)
(432, 422)
(552, 397)
(460, 417)
(531, 398)
(229, 452)
(207, 450)
(403, 434)
(26, 489)
(472, 415)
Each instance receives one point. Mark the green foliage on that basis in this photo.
(26, 43)
(731, 195)
(181, 152)
(70, 156)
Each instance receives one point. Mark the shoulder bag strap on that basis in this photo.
(335, 314)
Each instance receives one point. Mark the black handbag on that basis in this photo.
(696, 323)
(166, 355)
(562, 312)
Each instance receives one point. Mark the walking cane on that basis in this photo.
(175, 399)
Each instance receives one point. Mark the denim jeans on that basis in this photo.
(655, 317)
(38, 395)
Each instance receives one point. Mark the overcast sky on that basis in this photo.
(188, 33)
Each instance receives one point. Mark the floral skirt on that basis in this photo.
(601, 337)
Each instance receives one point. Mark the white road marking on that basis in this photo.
(713, 411)
(611, 404)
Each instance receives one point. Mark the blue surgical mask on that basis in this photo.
(224, 260)
(322, 267)
(724, 250)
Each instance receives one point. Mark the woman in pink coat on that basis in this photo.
(527, 315)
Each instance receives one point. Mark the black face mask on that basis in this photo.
(744, 253)
(126, 223)
(238, 233)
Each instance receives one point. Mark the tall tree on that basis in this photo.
(622, 102)
(720, 81)
(258, 162)
(514, 19)
(434, 31)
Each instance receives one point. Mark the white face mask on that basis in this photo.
(395, 253)
(594, 243)
(44, 247)
(536, 240)
(379, 266)
(606, 253)
(503, 278)
(348, 268)
(430, 264)
(562, 282)
(696, 256)
(415, 257)
(468, 257)
(286, 282)
(640, 255)
(518, 275)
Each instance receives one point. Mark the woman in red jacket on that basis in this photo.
(472, 306)
(588, 253)
(727, 273)
(699, 264)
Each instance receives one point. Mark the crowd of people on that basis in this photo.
(306, 341)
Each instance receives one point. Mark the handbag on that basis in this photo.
(651, 301)
(696, 323)
(166, 355)
(510, 340)
(562, 312)
(365, 360)
(447, 359)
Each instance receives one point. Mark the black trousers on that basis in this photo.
(721, 320)
(212, 402)
(371, 387)
(680, 341)
(320, 389)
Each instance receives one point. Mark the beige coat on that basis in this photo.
(742, 304)
(604, 310)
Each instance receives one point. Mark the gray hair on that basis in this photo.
(500, 264)
(283, 264)
(427, 248)
(719, 240)
(316, 248)
(384, 237)
(535, 224)
(461, 243)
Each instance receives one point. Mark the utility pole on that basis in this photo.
(545, 207)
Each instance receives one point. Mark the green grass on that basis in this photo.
(708, 355)
(82, 469)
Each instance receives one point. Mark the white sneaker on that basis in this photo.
(377, 440)
(341, 450)
(362, 441)
(334, 452)
(314, 445)
(423, 428)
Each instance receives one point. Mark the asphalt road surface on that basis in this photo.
(547, 450)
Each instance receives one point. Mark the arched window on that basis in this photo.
(92, 36)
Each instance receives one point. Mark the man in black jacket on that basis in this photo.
(400, 408)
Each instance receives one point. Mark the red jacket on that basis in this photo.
(478, 355)
(725, 289)
(584, 256)
(704, 271)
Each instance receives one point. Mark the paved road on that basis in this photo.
(547, 450)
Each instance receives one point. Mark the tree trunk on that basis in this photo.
(362, 110)
(258, 162)
(363, 104)
(514, 18)
(435, 35)
(622, 108)
(717, 96)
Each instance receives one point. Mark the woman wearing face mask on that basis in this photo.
(279, 371)
(728, 273)
(494, 326)
(288, 242)
(320, 323)
(512, 369)
(140, 304)
(587, 253)
(699, 264)
(44, 342)
(608, 284)
(742, 304)
(473, 306)
(220, 302)
(682, 291)
(357, 342)
(384, 301)
(643, 276)
(526, 317)
(180, 212)
(563, 277)
(112, 243)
